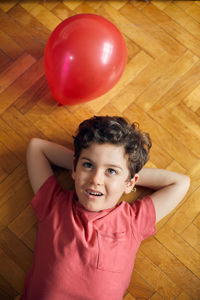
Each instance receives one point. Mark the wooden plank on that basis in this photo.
(44, 16)
(182, 17)
(72, 4)
(137, 34)
(194, 11)
(164, 139)
(7, 292)
(62, 11)
(13, 141)
(84, 8)
(15, 249)
(28, 217)
(176, 167)
(151, 73)
(139, 288)
(21, 124)
(173, 29)
(167, 81)
(169, 44)
(192, 99)
(5, 61)
(8, 160)
(17, 68)
(49, 127)
(20, 36)
(183, 296)
(192, 121)
(192, 235)
(6, 6)
(109, 109)
(118, 4)
(197, 221)
(16, 180)
(23, 83)
(186, 213)
(33, 95)
(50, 5)
(13, 274)
(189, 81)
(182, 4)
(134, 67)
(179, 129)
(29, 5)
(139, 4)
(156, 296)
(47, 103)
(19, 199)
(160, 4)
(82, 111)
(32, 25)
(156, 277)
(9, 46)
(171, 266)
(132, 48)
(60, 114)
(194, 174)
(174, 243)
(3, 174)
(129, 297)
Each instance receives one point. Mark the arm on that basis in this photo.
(40, 155)
(170, 188)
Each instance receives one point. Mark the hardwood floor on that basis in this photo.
(160, 89)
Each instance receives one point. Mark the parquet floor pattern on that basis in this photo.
(160, 89)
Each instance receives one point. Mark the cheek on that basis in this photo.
(116, 186)
(81, 178)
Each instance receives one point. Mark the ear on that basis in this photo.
(131, 183)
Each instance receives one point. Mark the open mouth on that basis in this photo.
(94, 193)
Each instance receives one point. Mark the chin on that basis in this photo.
(91, 208)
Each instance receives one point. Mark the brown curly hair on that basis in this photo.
(117, 131)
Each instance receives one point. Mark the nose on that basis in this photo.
(96, 177)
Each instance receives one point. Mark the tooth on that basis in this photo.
(94, 194)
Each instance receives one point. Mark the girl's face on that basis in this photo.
(102, 176)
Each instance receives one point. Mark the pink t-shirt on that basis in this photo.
(84, 255)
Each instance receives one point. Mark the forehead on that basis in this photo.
(106, 153)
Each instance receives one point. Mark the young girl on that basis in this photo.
(87, 242)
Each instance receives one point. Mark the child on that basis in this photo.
(86, 242)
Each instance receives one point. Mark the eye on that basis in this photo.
(111, 171)
(87, 165)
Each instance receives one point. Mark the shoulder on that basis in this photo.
(143, 217)
(49, 196)
(144, 203)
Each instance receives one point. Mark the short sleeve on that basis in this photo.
(44, 199)
(144, 218)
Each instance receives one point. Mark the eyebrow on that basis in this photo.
(108, 165)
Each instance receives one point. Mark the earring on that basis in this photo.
(133, 190)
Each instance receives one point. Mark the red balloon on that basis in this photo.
(84, 58)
